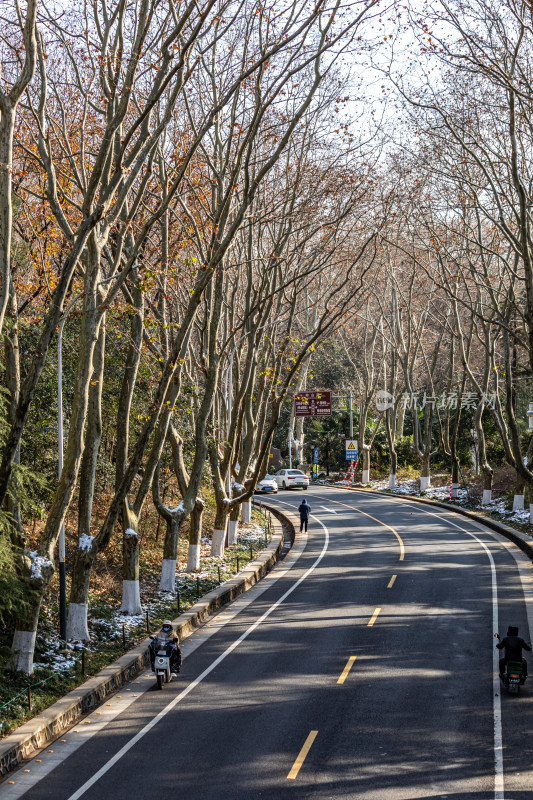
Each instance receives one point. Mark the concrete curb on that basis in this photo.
(522, 540)
(37, 732)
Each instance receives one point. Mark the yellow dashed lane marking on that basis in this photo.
(346, 669)
(374, 617)
(391, 582)
(302, 756)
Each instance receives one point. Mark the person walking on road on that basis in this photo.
(304, 509)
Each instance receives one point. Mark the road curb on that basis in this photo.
(522, 540)
(46, 726)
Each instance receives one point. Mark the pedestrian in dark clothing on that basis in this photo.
(304, 510)
(513, 645)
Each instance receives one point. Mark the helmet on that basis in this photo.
(512, 630)
(167, 627)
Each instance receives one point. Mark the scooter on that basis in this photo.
(513, 677)
(161, 665)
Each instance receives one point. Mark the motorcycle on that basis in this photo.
(513, 677)
(162, 657)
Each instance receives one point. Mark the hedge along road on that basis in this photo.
(365, 670)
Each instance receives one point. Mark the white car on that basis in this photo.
(267, 486)
(291, 479)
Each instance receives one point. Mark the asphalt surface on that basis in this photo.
(332, 679)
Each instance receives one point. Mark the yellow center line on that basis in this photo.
(385, 525)
(374, 617)
(346, 669)
(302, 756)
(391, 582)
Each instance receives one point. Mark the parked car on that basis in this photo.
(291, 479)
(267, 486)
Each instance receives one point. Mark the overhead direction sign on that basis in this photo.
(351, 449)
(312, 404)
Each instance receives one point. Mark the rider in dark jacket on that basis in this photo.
(513, 645)
(304, 509)
(167, 638)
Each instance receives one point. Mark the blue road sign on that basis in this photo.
(316, 452)
(351, 449)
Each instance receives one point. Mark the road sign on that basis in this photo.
(351, 449)
(312, 404)
(316, 452)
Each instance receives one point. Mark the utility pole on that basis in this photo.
(290, 448)
(61, 544)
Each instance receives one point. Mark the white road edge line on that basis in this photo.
(148, 727)
(499, 791)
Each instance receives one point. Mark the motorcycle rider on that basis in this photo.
(513, 645)
(168, 638)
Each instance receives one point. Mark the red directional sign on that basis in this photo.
(312, 404)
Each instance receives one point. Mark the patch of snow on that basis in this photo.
(85, 542)
(238, 486)
(178, 508)
(130, 532)
(37, 564)
(251, 531)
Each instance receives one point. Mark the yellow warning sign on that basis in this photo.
(351, 449)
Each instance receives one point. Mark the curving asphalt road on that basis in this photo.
(364, 668)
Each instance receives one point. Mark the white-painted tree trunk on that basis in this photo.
(425, 483)
(77, 627)
(233, 527)
(455, 490)
(518, 502)
(366, 476)
(131, 598)
(487, 497)
(23, 646)
(167, 582)
(246, 513)
(392, 481)
(217, 542)
(193, 557)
